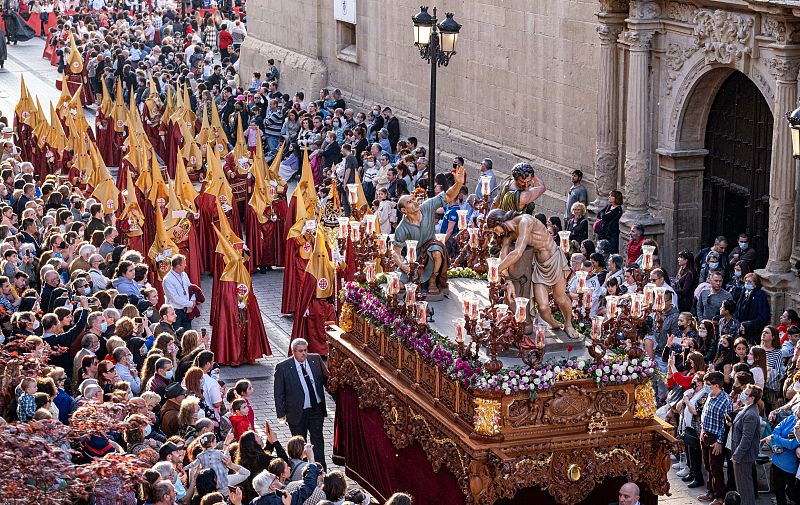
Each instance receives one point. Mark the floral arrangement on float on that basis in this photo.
(615, 367)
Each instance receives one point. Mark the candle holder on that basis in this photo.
(473, 246)
(629, 320)
(563, 241)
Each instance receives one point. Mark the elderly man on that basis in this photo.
(520, 233)
(82, 261)
(628, 494)
(419, 223)
(486, 170)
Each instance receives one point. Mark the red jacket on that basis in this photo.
(634, 250)
(225, 39)
(240, 424)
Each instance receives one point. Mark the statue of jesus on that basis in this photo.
(519, 231)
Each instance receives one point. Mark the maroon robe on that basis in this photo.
(235, 341)
(293, 274)
(207, 205)
(310, 318)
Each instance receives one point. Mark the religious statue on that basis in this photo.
(419, 223)
(520, 192)
(520, 232)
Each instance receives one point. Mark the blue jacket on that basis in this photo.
(786, 460)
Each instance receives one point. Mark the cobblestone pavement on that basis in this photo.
(25, 59)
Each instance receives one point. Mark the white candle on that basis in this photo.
(611, 302)
(369, 224)
(352, 193)
(473, 308)
(411, 251)
(563, 238)
(587, 300)
(581, 275)
(465, 301)
(460, 332)
(637, 299)
(649, 289)
(422, 312)
(411, 294)
(502, 310)
(369, 270)
(462, 218)
(486, 185)
(660, 298)
(355, 231)
(440, 237)
(394, 283)
(494, 269)
(521, 313)
(647, 256)
(597, 326)
(540, 332)
(382, 244)
(473, 236)
(343, 226)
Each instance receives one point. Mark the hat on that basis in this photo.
(143, 305)
(174, 390)
(8, 130)
(168, 449)
(240, 97)
(96, 447)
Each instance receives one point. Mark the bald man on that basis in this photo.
(629, 494)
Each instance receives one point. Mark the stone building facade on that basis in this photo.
(679, 104)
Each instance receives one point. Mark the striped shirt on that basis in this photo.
(775, 369)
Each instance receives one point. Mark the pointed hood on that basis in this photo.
(226, 230)
(132, 212)
(216, 182)
(184, 189)
(74, 60)
(56, 139)
(240, 149)
(119, 114)
(306, 185)
(63, 100)
(169, 107)
(107, 105)
(152, 97)
(234, 270)
(42, 129)
(262, 196)
(25, 109)
(296, 231)
(105, 190)
(191, 153)
(320, 266)
(158, 188)
(76, 111)
(163, 248)
(220, 138)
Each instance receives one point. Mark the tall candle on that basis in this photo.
(649, 290)
(611, 303)
(647, 256)
(597, 326)
(473, 308)
(343, 224)
(637, 299)
(502, 310)
(355, 231)
(411, 251)
(563, 238)
(540, 332)
(393, 283)
(440, 237)
(486, 185)
(581, 275)
(462, 218)
(382, 244)
(587, 300)
(369, 270)
(411, 294)
(494, 269)
(352, 193)
(473, 236)
(521, 312)
(369, 224)
(460, 331)
(422, 312)
(660, 298)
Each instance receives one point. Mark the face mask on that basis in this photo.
(702, 334)
(722, 348)
(681, 327)
(742, 245)
(750, 361)
(147, 431)
(35, 324)
(707, 389)
(148, 313)
(201, 414)
(375, 113)
(169, 376)
(743, 397)
(737, 273)
(103, 326)
(87, 290)
(713, 266)
(143, 350)
(748, 286)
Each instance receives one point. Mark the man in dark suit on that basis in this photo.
(628, 495)
(300, 395)
(745, 442)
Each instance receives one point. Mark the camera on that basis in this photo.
(281, 493)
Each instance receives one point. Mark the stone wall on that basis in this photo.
(523, 85)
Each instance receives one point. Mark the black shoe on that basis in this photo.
(688, 478)
(696, 483)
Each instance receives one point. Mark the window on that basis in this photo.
(346, 41)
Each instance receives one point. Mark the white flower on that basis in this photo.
(606, 369)
(599, 372)
(634, 361)
(557, 369)
(507, 391)
(624, 377)
(634, 376)
(630, 369)
(537, 381)
(514, 381)
(525, 380)
(581, 365)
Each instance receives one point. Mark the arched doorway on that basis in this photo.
(736, 179)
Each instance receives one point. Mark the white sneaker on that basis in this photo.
(683, 473)
(678, 466)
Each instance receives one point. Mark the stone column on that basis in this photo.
(777, 277)
(606, 158)
(637, 123)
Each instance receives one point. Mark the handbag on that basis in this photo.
(597, 227)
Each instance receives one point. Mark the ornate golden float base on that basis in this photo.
(566, 442)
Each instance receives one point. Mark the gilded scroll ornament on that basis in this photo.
(645, 401)
(487, 417)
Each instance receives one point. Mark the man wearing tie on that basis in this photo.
(300, 395)
(176, 292)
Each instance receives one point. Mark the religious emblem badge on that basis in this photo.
(161, 202)
(272, 192)
(188, 124)
(132, 224)
(26, 115)
(120, 123)
(203, 148)
(242, 290)
(193, 159)
(220, 148)
(164, 266)
(109, 204)
(307, 247)
(76, 66)
(244, 163)
(223, 199)
(323, 283)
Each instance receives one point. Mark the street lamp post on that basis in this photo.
(793, 118)
(436, 43)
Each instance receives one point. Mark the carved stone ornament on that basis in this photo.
(607, 6)
(675, 58)
(723, 36)
(780, 30)
(645, 9)
(608, 33)
(680, 11)
(637, 40)
(606, 162)
(783, 69)
(636, 183)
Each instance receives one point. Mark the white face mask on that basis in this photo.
(201, 414)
